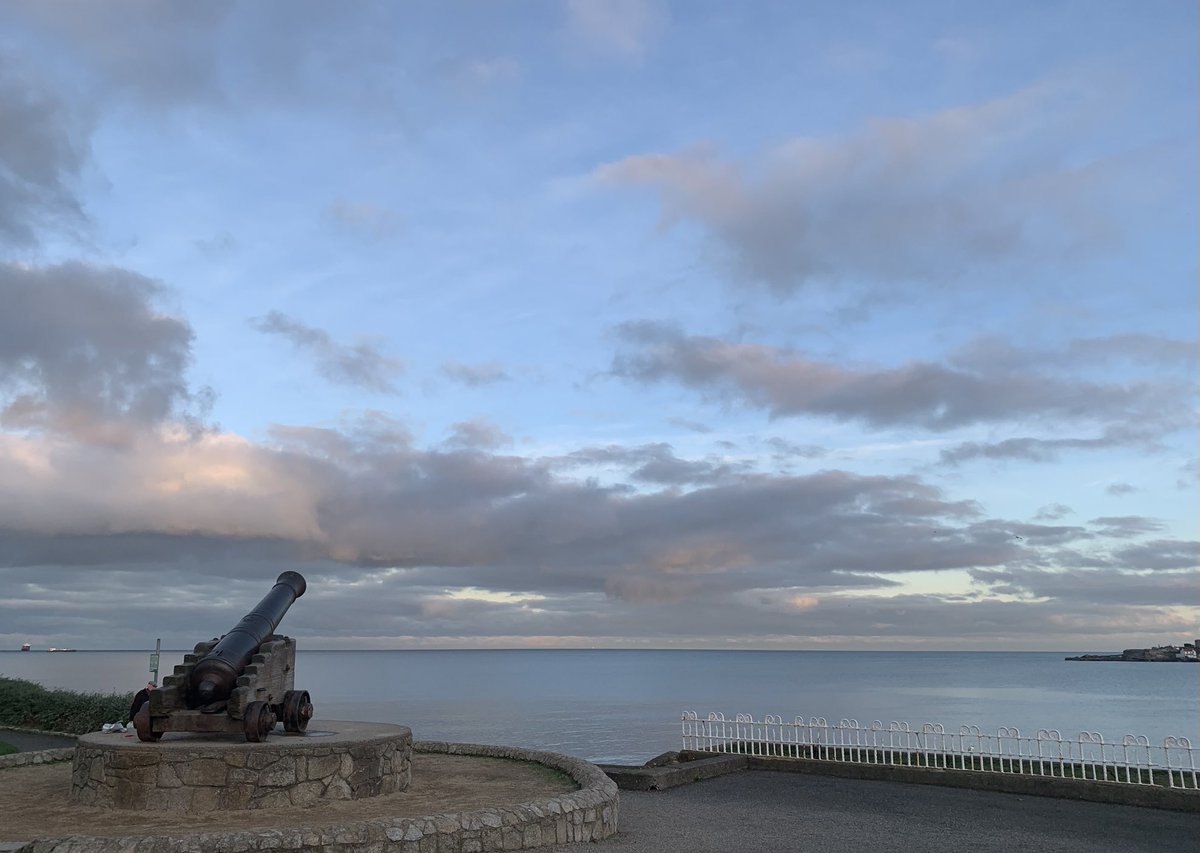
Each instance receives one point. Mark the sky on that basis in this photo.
(600, 323)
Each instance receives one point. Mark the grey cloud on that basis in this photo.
(922, 199)
(1105, 586)
(221, 55)
(1190, 473)
(383, 528)
(161, 53)
(385, 607)
(361, 364)
(1028, 449)
(1161, 554)
(694, 426)
(656, 463)
(218, 246)
(84, 351)
(364, 219)
(43, 149)
(1038, 534)
(479, 435)
(473, 75)
(991, 353)
(1052, 512)
(1120, 489)
(624, 28)
(475, 375)
(933, 396)
(1124, 526)
(368, 498)
(785, 449)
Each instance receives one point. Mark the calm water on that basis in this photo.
(625, 705)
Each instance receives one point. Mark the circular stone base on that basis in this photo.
(195, 773)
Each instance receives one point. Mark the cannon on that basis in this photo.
(242, 682)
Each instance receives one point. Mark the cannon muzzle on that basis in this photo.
(215, 676)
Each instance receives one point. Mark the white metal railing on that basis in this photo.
(1134, 760)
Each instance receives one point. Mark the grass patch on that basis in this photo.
(26, 705)
(6, 748)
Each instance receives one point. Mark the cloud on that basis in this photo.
(1104, 586)
(361, 364)
(219, 245)
(475, 375)
(478, 435)
(1028, 449)
(1052, 512)
(471, 76)
(655, 463)
(918, 199)
(364, 219)
(85, 353)
(43, 150)
(366, 497)
(694, 426)
(1161, 554)
(784, 449)
(1124, 526)
(160, 53)
(1120, 489)
(624, 28)
(995, 353)
(933, 396)
(385, 530)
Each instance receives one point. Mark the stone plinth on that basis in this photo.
(193, 773)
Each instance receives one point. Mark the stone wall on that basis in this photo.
(589, 814)
(43, 756)
(272, 774)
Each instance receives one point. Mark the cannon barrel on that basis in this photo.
(215, 676)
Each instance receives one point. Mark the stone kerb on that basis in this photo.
(195, 774)
(588, 814)
(42, 756)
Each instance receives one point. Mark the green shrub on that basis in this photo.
(6, 748)
(26, 705)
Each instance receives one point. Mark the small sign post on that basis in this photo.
(154, 661)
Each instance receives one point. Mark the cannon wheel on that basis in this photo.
(297, 710)
(141, 722)
(258, 722)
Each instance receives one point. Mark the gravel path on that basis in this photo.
(763, 812)
(25, 742)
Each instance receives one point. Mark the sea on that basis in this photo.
(624, 706)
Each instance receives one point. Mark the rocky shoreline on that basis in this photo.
(1156, 654)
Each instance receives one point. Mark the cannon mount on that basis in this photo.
(240, 683)
(265, 694)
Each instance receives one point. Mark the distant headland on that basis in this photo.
(1187, 653)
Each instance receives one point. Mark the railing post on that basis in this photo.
(1133, 761)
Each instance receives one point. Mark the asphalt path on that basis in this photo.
(792, 812)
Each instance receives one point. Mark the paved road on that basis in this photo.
(764, 812)
(25, 742)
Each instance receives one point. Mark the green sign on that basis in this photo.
(154, 662)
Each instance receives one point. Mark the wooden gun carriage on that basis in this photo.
(241, 683)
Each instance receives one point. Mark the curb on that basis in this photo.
(1115, 793)
(38, 732)
(40, 756)
(659, 777)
